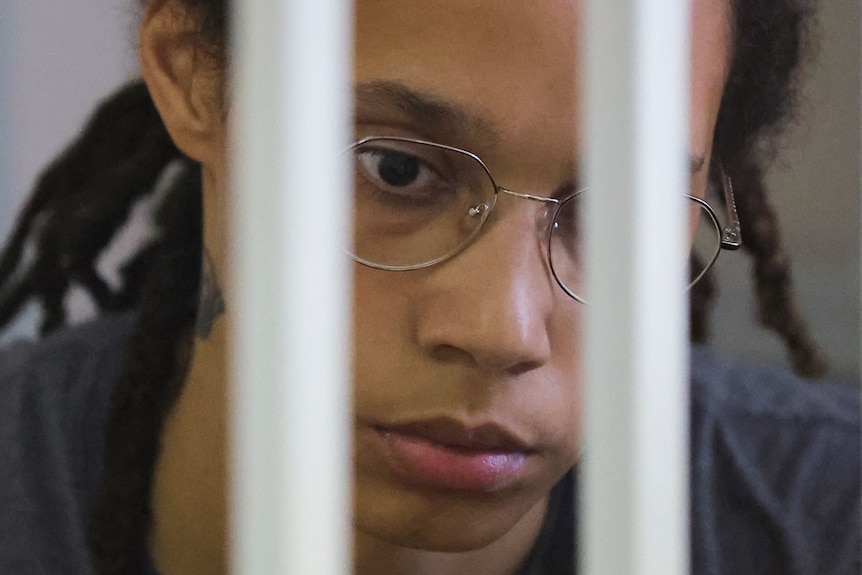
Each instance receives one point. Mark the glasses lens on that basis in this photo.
(706, 240)
(565, 247)
(415, 203)
(567, 250)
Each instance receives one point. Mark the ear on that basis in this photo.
(185, 84)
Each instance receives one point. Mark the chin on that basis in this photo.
(435, 536)
(440, 522)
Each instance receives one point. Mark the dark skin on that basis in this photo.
(430, 342)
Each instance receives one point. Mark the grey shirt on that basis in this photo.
(54, 401)
(775, 462)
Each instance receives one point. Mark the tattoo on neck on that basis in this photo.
(211, 304)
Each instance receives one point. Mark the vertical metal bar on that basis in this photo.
(291, 284)
(635, 457)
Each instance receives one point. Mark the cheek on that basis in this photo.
(563, 404)
(381, 339)
(566, 333)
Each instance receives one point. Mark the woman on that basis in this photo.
(129, 429)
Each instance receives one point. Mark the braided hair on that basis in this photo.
(769, 46)
(79, 204)
(83, 199)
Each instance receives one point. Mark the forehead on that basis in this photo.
(495, 59)
(513, 64)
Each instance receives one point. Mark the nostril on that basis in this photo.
(452, 354)
(522, 367)
(446, 353)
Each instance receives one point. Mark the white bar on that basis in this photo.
(289, 309)
(635, 463)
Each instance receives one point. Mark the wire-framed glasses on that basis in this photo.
(419, 203)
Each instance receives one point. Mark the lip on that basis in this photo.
(446, 454)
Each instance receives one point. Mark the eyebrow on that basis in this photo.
(425, 110)
(441, 116)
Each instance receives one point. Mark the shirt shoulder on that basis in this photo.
(54, 398)
(775, 471)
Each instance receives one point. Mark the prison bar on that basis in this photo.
(290, 503)
(291, 453)
(635, 464)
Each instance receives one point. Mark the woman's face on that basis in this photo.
(467, 391)
(466, 374)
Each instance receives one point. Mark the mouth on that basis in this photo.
(446, 454)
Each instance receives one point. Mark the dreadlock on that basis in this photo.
(84, 198)
(150, 381)
(78, 205)
(769, 45)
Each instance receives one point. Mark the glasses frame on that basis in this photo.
(729, 235)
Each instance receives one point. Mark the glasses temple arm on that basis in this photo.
(731, 234)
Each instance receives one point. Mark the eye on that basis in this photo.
(392, 167)
(395, 170)
(407, 178)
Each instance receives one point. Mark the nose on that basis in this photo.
(491, 305)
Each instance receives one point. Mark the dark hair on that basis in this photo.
(84, 198)
(770, 42)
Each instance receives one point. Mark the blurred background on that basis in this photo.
(59, 58)
(815, 186)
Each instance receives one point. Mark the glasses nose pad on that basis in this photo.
(479, 210)
(547, 220)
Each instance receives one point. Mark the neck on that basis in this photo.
(504, 556)
(189, 533)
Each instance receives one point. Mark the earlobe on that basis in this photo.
(183, 83)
